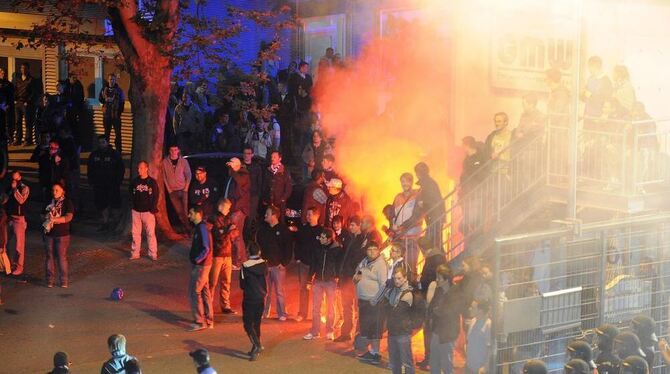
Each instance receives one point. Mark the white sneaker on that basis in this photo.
(330, 336)
(298, 318)
(282, 318)
(309, 336)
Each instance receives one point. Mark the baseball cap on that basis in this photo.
(334, 183)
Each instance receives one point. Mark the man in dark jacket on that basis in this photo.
(6, 103)
(105, 174)
(307, 240)
(324, 277)
(254, 290)
(444, 311)
(25, 96)
(203, 192)
(224, 232)
(112, 99)
(74, 92)
(201, 259)
(255, 180)
(277, 183)
(276, 246)
(144, 198)
(237, 190)
(398, 316)
(430, 202)
(315, 196)
(353, 254)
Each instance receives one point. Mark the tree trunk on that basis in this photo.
(149, 94)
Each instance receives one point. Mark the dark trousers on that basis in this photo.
(109, 121)
(56, 251)
(252, 312)
(349, 307)
(22, 111)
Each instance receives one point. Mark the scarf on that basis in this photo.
(276, 168)
(56, 207)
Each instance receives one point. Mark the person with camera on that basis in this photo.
(57, 218)
(18, 193)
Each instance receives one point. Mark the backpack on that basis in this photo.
(417, 312)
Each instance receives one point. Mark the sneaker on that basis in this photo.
(330, 336)
(17, 273)
(298, 318)
(367, 356)
(377, 359)
(153, 258)
(309, 336)
(228, 311)
(283, 318)
(196, 327)
(64, 285)
(50, 285)
(134, 257)
(342, 339)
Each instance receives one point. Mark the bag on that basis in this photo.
(5, 265)
(417, 312)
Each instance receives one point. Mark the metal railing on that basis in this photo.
(558, 285)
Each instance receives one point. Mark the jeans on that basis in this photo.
(400, 354)
(201, 298)
(179, 201)
(239, 250)
(349, 306)
(56, 250)
(146, 221)
(275, 281)
(222, 269)
(303, 279)
(441, 356)
(19, 225)
(321, 288)
(110, 120)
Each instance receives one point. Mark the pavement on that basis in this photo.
(36, 321)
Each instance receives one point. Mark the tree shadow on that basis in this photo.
(12, 311)
(231, 352)
(160, 314)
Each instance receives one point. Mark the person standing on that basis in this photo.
(112, 99)
(18, 193)
(276, 245)
(277, 183)
(430, 203)
(323, 280)
(255, 181)
(370, 281)
(6, 103)
(444, 314)
(405, 226)
(105, 174)
(253, 274)
(307, 241)
(598, 89)
(354, 253)
(339, 203)
(224, 232)
(25, 96)
(177, 178)
(236, 189)
(201, 261)
(74, 92)
(59, 214)
(144, 199)
(315, 196)
(398, 315)
(203, 192)
(479, 339)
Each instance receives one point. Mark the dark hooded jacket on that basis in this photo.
(326, 262)
(252, 280)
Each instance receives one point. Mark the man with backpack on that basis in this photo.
(400, 310)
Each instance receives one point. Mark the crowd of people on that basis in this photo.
(239, 223)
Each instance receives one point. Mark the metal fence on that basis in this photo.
(558, 285)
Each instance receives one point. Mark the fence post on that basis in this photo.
(495, 299)
(603, 277)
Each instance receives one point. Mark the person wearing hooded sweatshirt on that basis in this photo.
(201, 259)
(277, 183)
(61, 364)
(370, 279)
(398, 317)
(254, 290)
(323, 279)
(117, 347)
